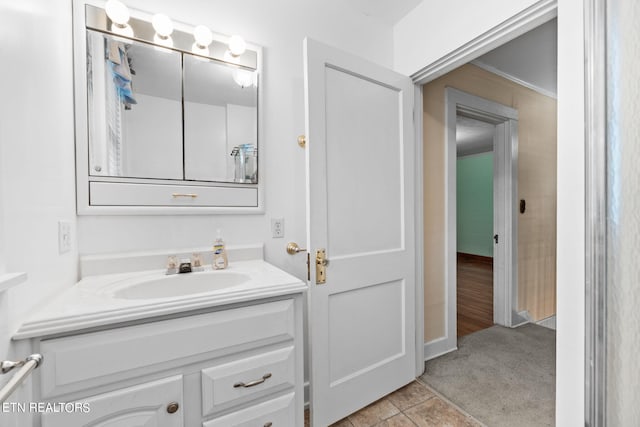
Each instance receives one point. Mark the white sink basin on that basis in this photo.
(177, 285)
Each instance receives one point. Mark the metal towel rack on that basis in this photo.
(26, 366)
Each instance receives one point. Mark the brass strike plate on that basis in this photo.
(321, 266)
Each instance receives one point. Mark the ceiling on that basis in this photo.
(388, 11)
(531, 58)
(473, 136)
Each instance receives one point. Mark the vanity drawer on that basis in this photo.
(279, 412)
(242, 380)
(145, 404)
(124, 194)
(88, 360)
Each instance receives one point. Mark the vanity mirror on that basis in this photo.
(166, 120)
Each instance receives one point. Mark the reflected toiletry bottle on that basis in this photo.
(196, 263)
(219, 254)
(185, 266)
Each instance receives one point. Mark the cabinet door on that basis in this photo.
(143, 405)
(279, 412)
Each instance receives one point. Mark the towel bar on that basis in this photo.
(26, 366)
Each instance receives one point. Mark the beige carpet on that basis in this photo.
(500, 376)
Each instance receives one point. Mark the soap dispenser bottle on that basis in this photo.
(220, 260)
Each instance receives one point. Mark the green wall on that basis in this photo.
(475, 204)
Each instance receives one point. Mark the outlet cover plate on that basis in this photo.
(277, 228)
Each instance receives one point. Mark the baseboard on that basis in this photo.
(521, 318)
(549, 322)
(438, 347)
(306, 395)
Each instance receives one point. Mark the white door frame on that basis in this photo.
(531, 17)
(505, 149)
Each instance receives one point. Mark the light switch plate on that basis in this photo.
(277, 227)
(64, 236)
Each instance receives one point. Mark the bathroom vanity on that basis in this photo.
(230, 356)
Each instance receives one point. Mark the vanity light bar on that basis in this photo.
(97, 19)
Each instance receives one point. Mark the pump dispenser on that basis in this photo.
(220, 260)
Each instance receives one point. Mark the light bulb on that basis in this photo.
(237, 45)
(162, 24)
(117, 12)
(122, 30)
(203, 36)
(243, 78)
(199, 50)
(163, 41)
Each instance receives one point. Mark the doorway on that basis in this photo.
(474, 224)
(502, 121)
(528, 178)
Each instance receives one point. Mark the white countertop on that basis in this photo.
(84, 306)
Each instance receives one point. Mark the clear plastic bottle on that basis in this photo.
(220, 260)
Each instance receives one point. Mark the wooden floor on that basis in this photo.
(474, 293)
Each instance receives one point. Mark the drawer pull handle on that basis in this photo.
(268, 424)
(192, 195)
(172, 407)
(253, 383)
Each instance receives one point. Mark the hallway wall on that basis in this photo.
(474, 200)
(536, 184)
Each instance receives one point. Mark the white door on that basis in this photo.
(360, 206)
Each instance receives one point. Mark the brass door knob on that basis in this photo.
(293, 248)
(173, 407)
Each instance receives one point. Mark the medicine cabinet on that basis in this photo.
(164, 124)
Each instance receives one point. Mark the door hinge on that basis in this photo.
(495, 237)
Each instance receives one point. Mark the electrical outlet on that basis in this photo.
(64, 236)
(277, 227)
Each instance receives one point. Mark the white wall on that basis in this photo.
(279, 26)
(36, 155)
(433, 30)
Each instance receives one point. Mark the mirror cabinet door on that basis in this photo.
(220, 121)
(135, 109)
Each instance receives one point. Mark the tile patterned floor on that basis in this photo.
(415, 405)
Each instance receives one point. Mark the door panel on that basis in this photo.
(363, 126)
(360, 200)
(370, 338)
